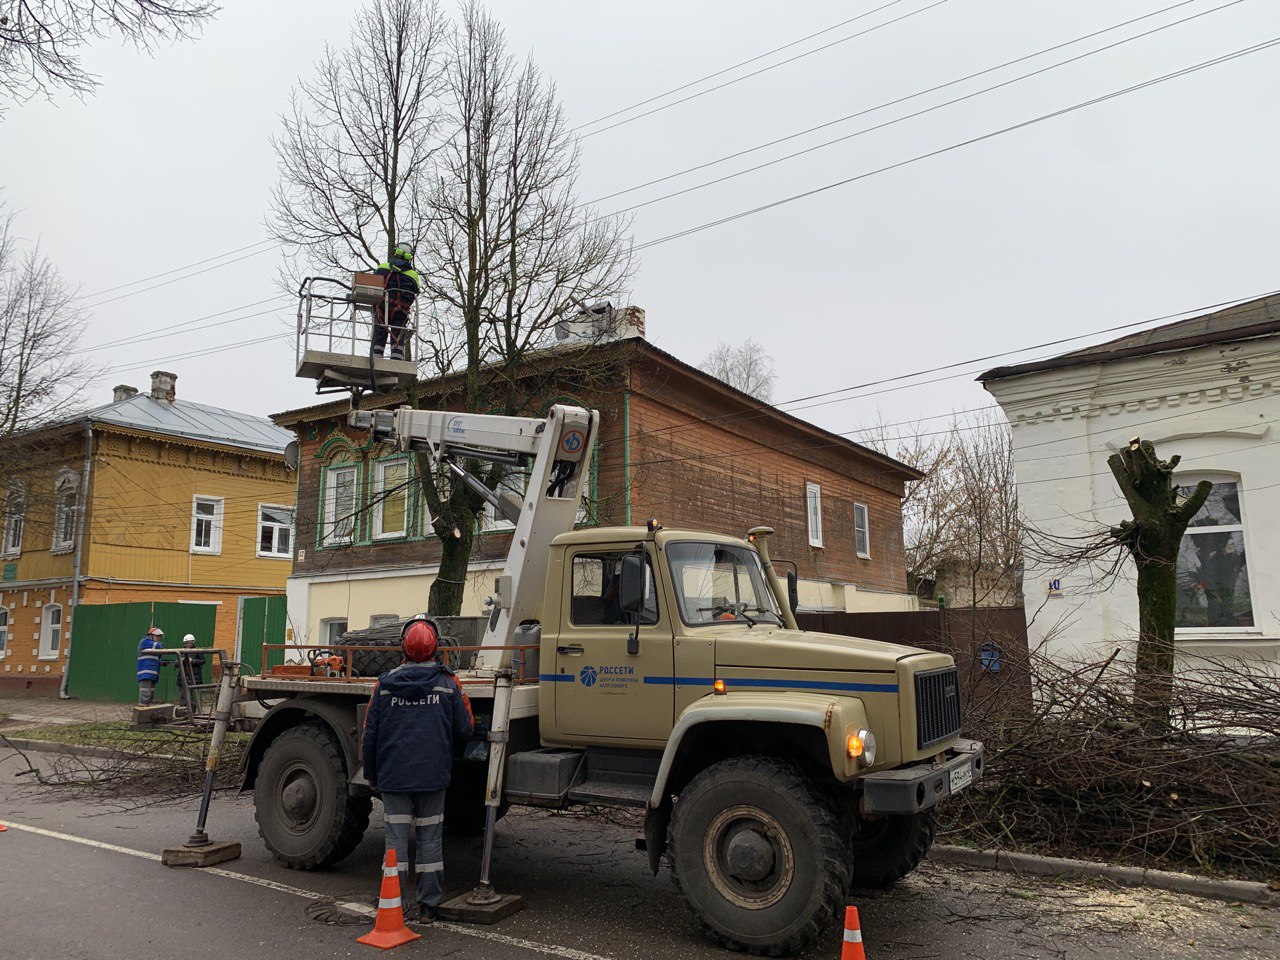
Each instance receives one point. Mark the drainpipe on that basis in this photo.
(82, 509)
(626, 450)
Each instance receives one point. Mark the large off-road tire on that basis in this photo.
(757, 852)
(884, 851)
(305, 815)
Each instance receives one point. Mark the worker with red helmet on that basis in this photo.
(417, 715)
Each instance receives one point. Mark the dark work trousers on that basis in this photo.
(146, 692)
(422, 816)
(393, 316)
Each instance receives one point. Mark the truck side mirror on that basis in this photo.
(632, 583)
(793, 590)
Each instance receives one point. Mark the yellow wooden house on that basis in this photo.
(146, 498)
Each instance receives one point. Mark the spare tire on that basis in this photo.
(455, 632)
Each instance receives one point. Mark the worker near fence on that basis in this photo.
(190, 674)
(149, 665)
(417, 715)
(403, 285)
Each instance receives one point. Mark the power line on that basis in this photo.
(165, 283)
(1205, 64)
(197, 353)
(890, 103)
(155, 276)
(160, 332)
(781, 63)
(919, 113)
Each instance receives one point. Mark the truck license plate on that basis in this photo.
(961, 777)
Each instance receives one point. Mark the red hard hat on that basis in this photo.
(419, 640)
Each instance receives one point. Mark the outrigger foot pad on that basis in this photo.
(202, 855)
(482, 905)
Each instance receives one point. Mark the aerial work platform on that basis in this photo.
(336, 325)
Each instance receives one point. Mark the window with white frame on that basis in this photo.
(206, 524)
(1213, 573)
(382, 619)
(515, 483)
(275, 530)
(391, 499)
(340, 504)
(50, 631)
(4, 631)
(813, 504)
(861, 531)
(66, 493)
(332, 629)
(15, 516)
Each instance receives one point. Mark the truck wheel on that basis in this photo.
(884, 851)
(300, 800)
(758, 855)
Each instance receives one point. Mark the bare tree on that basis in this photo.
(355, 154)
(510, 253)
(747, 367)
(433, 132)
(40, 322)
(40, 40)
(960, 523)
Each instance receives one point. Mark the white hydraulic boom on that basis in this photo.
(556, 450)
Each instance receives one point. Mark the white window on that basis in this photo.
(50, 631)
(391, 499)
(1213, 575)
(382, 619)
(64, 517)
(331, 631)
(861, 531)
(4, 631)
(206, 525)
(813, 502)
(275, 530)
(513, 484)
(340, 505)
(15, 515)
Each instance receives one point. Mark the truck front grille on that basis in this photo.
(937, 706)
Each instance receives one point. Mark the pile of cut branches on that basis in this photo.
(1082, 771)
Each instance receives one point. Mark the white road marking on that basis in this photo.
(550, 949)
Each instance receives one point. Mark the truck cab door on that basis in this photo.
(605, 693)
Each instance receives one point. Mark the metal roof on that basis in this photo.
(1243, 321)
(195, 421)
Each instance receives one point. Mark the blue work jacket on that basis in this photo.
(149, 664)
(416, 715)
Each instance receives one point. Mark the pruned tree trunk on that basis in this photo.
(1152, 537)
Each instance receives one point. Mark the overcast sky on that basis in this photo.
(1160, 201)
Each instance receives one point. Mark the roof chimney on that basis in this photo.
(162, 383)
(122, 391)
(631, 322)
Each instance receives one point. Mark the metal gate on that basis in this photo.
(104, 646)
(261, 620)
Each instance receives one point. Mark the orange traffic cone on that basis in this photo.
(388, 928)
(3, 828)
(852, 949)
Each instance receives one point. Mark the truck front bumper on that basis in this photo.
(915, 788)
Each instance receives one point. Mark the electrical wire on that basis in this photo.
(892, 103)
(156, 276)
(920, 113)
(186, 326)
(742, 214)
(165, 283)
(743, 63)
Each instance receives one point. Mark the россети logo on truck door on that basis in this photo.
(607, 676)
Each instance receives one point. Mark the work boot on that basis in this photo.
(427, 915)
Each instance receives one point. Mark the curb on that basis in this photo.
(1241, 891)
(86, 750)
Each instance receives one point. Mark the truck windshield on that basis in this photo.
(718, 583)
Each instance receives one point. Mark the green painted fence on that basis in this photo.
(262, 620)
(104, 646)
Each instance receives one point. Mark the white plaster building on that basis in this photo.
(1206, 389)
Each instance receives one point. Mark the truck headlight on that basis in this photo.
(861, 746)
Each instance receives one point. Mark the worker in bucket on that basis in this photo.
(403, 285)
(149, 665)
(417, 715)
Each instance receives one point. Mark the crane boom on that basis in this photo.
(556, 449)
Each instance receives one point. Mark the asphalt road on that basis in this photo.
(588, 895)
